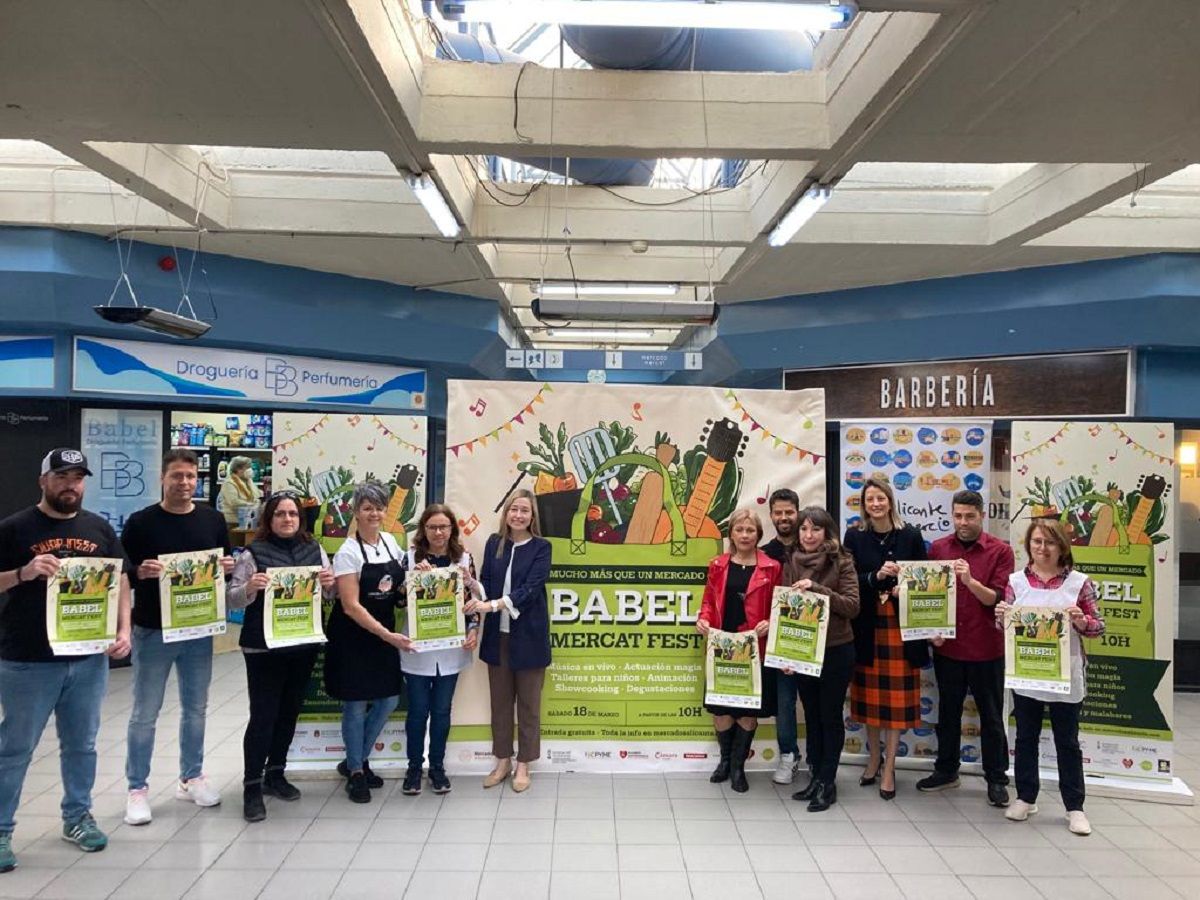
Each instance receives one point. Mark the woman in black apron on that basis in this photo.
(362, 667)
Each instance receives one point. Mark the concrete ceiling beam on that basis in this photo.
(176, 178)
(1050, 195)
(553, 214)
(481, 108)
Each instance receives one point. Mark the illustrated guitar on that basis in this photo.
(1152, 487)
(406, 477)
(722, 441)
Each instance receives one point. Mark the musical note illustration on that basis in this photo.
(469, 525)
(354, 420)
(637, 412)
(762, 499)
(371, 446)
(478, 407)
(1094, 431)
(283, 460)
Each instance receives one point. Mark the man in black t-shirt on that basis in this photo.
(34, 682)
(176, 525)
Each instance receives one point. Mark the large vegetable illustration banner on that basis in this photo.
(634, 488)
(321, 457)
(1110, 484)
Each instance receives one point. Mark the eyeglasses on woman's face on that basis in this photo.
(438, 527)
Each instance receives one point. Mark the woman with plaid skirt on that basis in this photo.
(886, 692)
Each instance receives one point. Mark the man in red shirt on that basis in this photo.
(975, 658)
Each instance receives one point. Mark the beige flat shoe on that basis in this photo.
(521, 783)
(498, 774)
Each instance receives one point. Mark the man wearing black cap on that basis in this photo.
(34, 682)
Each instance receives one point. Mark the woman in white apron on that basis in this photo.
(1051, 580)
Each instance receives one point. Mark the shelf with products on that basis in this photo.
(219, 436)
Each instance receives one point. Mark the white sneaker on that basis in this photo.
(786, 770)
(137, 807)
(1078, 823)
(198, 791)
(1019, 811)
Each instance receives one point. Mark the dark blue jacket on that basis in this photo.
(529, 635)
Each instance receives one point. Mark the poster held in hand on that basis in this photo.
(1037, 649)
(799, 623)
(191, 591)
(927, 600)
(81, 605)
(731, 670)
(292, 607)
(435, 608)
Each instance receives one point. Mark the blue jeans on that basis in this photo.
(362, 721)
(29, 692)
(786, 690)
(429, 697)
(152, 661)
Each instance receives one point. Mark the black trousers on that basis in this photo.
(1064, 722)
(985, 680)
(823, 699)
(277, 681)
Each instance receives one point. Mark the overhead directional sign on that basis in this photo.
(628, 360)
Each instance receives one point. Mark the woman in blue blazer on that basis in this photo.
(516, 635)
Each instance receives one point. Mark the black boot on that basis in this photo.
(725, 743)
(807, 792)
(823, 796)
(275, 784)
(253, 808)
(737, 758)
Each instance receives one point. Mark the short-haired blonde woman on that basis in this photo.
(1050, 579)
(737, 597)
(516, 634)
(238, 490)
(886, 692)
(362, 667)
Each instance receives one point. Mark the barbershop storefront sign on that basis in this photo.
(176, 370)
(1074, 384)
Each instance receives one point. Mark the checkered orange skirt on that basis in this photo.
(887, 693)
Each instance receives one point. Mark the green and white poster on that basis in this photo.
(81, 605)
(732, 675)
(292, 607)
(1110, 484)
(191, 591)
(927, 600)
(799, 622)
(435, 608)
(1037, 649)
(634, 486)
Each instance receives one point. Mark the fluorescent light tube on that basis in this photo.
(603, 289)
(430, 197)
(741, 14)
(803, 210)
(600, 332)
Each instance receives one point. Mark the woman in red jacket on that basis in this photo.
(737, 597)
